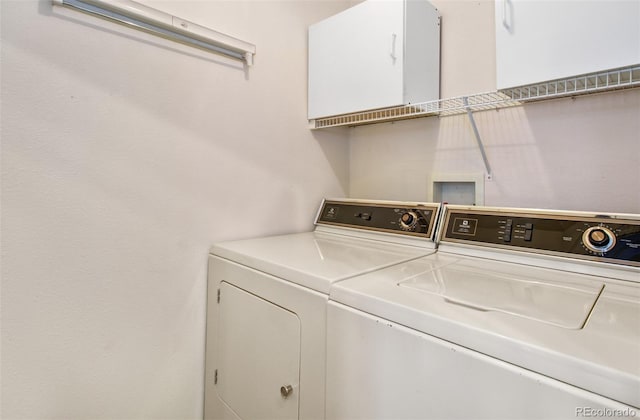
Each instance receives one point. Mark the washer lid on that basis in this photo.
(316, 259)
(545, 298)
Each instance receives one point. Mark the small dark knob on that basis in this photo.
(599, 237)
(408, 219)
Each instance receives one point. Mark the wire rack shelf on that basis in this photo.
(624, 78)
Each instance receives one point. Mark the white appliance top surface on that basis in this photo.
(564, 300)
(316, 259)
(580, 329)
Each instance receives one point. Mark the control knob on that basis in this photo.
(408, 220)
(599, 239)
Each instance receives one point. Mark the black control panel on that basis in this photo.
(413, 220)
(602, 238)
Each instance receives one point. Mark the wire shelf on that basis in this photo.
(451, 106)
(628, 77)
(624, 78)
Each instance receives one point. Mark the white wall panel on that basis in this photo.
(124, 157)
(580, 154)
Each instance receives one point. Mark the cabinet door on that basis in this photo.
(259, 352)
(356, 59)
(538, 41)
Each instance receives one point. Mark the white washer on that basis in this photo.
(267, 301)
(520, 314)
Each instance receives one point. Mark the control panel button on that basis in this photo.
(507, 231)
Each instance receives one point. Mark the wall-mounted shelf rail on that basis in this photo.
(624, 78)
(159, 23)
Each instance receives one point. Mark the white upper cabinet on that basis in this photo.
(539, 41)
(377, 54)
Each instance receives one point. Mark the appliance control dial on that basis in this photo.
(599, 239)
(408, 220)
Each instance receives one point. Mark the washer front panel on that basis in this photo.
(601, 238)
(425, 294)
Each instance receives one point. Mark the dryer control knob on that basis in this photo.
(408, 220)
(599, 239)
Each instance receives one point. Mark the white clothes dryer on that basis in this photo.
(520, 314)
(267, 300)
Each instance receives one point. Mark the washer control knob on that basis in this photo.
(599, 239)
(408, 220)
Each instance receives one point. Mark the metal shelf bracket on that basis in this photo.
(489, 176)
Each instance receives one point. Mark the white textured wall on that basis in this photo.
(581, 154)
(124, 157)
